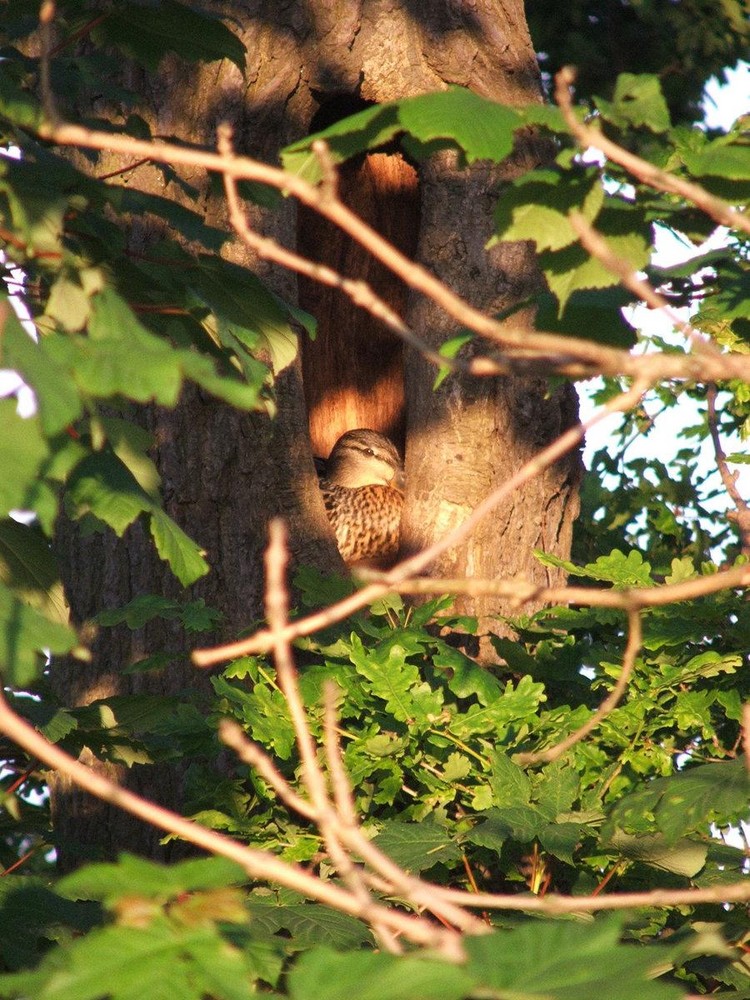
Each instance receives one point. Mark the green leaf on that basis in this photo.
(130, 443)
(110, 882)
(29, 568)
(59, 403)
(510, 785)
(520, 823)
(368, 129)
(686, 802)
(465, 676)
(682, 569)
(24, 634)
(481, 128)
(308, 923)
(559, 789)
(68, 304)
(623, 570)
(562, 839)
(567, 961)
(682, 857)
(185, 557)
(450, 349)
(513, 705)
(23, 453)
(637, 102)
(720, 158)
(101, 485)
(17, 104)
(571, 268)
(196, 616)
(393, 679)
(188, 223)
(322, 974)
(31, 913)
(536, 207)
(37, 207)
(591, 313)
(147, 33)
(120, 357)
(417, 847)
(159, 962)
(246, 316)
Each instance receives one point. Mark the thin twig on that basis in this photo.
(277, 557)
(340, 787)
(329, 183)
(264, 867)
(414, 890)
(47, 14)
(598, 247)
(742, 514)
(251, 754)
(553, 904)
(589, 136)
(86, 29)
(346, 813)
(520, 592)
(635, 639)
(327, 817)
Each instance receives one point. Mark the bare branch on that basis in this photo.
(718, 209)
(335, 833)
(553, 905)
(742, 515)
(635, 639)
(277, 557)
(330, 182)
(250, 753)
(342, 793)
(47, 14)
(522, 592)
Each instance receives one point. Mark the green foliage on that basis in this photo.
(480, 128)
(435, 746)
(683, 43)
(115, 329)
(144, 33)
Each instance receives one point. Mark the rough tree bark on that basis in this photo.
(225, 473)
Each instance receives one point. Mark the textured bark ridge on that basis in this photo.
(471, 435)
(225, 473)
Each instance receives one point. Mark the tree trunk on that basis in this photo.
(226, 473)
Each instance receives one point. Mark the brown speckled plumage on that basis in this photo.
(362, 485)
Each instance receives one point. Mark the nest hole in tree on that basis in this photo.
(354, 369)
